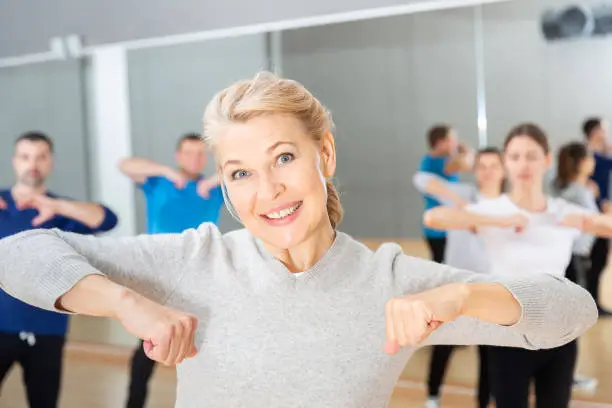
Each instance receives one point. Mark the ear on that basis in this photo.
(328, 155)
(548, 160)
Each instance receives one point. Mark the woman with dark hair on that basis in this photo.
(575, 166)
(464, 250)
(527, 232)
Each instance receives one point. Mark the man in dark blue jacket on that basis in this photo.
(595, 132)
(32, 337)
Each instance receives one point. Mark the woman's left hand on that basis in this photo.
(411, 319)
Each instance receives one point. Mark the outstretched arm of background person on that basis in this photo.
(91, 215)
(586, 220)
(205, 185)
(448, 193)
(140, 169)
(450, 218)
(462, 161)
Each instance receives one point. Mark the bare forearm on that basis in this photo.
(438, 189)
(599, 225)
(95, 295)
(139, 168)
(459, 163)
(446, 218)
(90, 214)
(491, 302)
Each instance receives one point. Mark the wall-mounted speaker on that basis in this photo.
(577, 21)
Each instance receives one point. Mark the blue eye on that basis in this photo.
(239, 174)
(285, 158)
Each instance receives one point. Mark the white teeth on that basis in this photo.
(283, 213)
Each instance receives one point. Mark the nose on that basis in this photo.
(269, 187)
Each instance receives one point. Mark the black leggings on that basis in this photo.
(140, 373)
(437, 247)
(599, 260)
(41, 361)
(511, 371)
(441, 354)
(437, 369)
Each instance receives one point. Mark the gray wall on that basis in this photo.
(386, 81)
(169, 88)
(554, 84)
(106, 21)
(46, 97)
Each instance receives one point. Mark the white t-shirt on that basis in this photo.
(543, 246)
(464, 249)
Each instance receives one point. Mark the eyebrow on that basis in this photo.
(268, 150)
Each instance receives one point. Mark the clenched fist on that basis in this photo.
(168, 334)
(411, 319)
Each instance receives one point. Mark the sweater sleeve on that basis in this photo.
(39, 266)
(554, 310)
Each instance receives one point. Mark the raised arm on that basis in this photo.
(587, 220)
(444, 305)
(140, 169)
(448, 193)
(448, 218)
(462, 161)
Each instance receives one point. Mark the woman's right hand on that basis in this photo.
(168, 334)
(516, 221)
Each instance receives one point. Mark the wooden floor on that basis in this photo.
(97, 377)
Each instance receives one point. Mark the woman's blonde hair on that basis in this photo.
(267, 94)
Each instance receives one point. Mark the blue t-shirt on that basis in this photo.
(435, 165)
(16, 316)
(173, 210)
(601, 176)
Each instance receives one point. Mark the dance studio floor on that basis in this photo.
(93, 383)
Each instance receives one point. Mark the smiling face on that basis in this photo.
(275, 174)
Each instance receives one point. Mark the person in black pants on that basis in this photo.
(141, 370)
(446, 159)
(31, 337)
(41, 359)
(440, 354)
(595, 133)
(512, 369)
(599, 261)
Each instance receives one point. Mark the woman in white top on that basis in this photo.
(538, 241)
(290, 311)
(464, 250)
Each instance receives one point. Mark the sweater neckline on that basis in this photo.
(329, 258)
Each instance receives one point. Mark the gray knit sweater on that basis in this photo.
(268, 338)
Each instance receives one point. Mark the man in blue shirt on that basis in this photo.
(33, 337)
(446, 158)
(596, 134)
(176, 199)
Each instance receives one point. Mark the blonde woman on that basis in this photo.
(290, 311)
